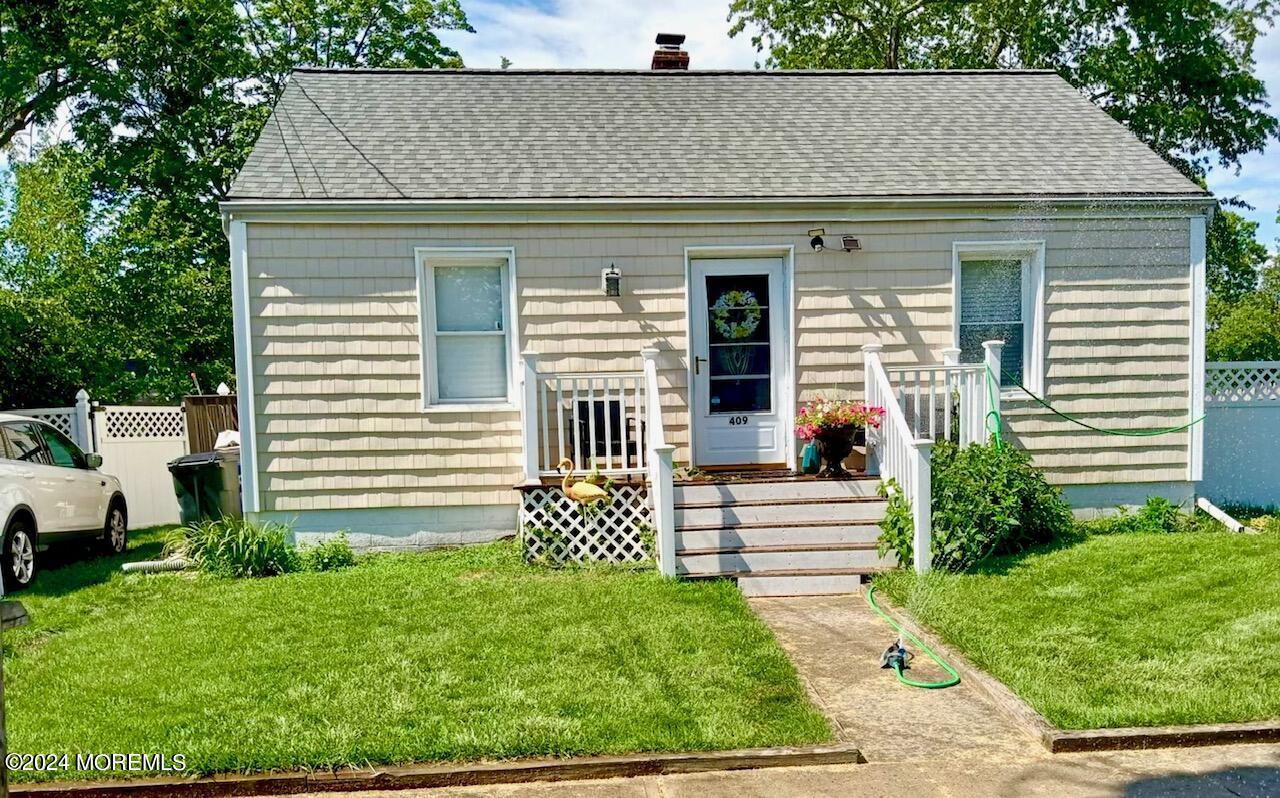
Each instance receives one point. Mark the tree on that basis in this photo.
(1234, 256)
(1249, 328)
(164, 104)
(1178, 73)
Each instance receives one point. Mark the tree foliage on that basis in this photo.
(1178, 73)
(118, 229)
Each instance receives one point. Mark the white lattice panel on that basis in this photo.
(553, 527)
(1228, 383)
(143, 423)
(61, 417)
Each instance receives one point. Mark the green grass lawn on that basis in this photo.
(457, 655)
(1120, 630)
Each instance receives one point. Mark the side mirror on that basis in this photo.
(93, 459)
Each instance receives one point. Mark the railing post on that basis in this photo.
(663, 487)
(871, 354)
(83, 433)
(922, 507)
(991, 398)
(951, 356)
(529, 416)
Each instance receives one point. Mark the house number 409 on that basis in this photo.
(736, 420)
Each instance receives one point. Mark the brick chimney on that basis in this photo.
(670, 54)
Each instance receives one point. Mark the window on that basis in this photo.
(62, 451)
(999, 297)
(24, 443)
(466, 319)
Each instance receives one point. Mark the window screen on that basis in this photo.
(470, 333)
(991, 310)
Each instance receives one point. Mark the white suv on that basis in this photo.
(51, 492)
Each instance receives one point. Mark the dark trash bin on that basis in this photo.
(207, 484)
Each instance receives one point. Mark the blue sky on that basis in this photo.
(619, 33)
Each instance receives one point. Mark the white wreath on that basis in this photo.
(736, 301)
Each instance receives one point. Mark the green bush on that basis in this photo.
(235, 547)
(328, 555)
(1157, 516)
(987, 500)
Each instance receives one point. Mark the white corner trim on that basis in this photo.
(238, 238)
(422, 259)
(1199, 291)
(1031, 252)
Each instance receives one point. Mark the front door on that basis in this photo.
(738, 345)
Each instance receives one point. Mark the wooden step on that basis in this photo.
(859, 558)
(755, 536)
(728, 492)
(790, 584)
(793, 512)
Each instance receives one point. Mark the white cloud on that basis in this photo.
(604, 34)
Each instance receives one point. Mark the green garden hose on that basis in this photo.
(897, 667)
(1129, 433)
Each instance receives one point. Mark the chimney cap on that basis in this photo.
(670, 40)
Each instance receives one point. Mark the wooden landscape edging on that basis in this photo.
(1057, 741)
(448, 775)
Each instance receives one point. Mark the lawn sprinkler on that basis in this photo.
(898, 659)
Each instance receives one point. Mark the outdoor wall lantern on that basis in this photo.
(611, 281)
(847, 243)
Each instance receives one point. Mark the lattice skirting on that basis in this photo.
(553, 528)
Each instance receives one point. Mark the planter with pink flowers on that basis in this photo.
(836, 425)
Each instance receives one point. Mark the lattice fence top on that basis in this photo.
(134, 423)
(1244, 381)
(61, 417)
(554, 529)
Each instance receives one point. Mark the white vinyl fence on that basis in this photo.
(136, 444)
(1242, 433)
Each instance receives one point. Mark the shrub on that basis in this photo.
(1157, 516)
(328, 555)
(987, 500)
(235, 547)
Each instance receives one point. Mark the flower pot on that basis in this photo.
(834, 445)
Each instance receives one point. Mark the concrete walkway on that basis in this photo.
(919, 743)
(835, 643)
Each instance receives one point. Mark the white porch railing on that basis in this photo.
(661, 471)
(597, 421)
(611, 423)
(948, 402)
(920, 404)
(895, 452)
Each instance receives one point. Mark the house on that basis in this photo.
(446, 280)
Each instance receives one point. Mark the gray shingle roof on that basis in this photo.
(438, 134)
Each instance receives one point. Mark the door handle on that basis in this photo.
(69, 478)
(27, 474)
(697, 365)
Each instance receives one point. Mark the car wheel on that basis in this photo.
(19, 556)
(115, 535)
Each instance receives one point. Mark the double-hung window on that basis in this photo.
(466, 321)
(999, 289)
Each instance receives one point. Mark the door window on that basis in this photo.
(738, 343)
(25, 443)
(61, 450)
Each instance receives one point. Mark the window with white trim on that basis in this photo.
(999, 297)
(466, 318)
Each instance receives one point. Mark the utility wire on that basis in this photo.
(347, 139)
